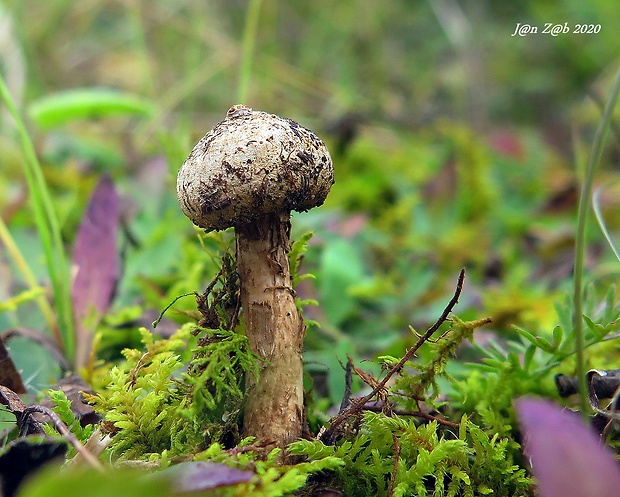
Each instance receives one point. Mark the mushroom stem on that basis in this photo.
(275, 330)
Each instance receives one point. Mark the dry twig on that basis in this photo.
(62, 428)
(357, 405)
(395, 470)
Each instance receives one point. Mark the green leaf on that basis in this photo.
(72, 105)
(341, 268)
(525, 334)
(298, 249)
(388, 360)
(528, 357)
(461, 475)
(493, 362)
(544, 344)
(590, 324)
(482, 367)
(540, 342)
(77, 483)
(558, 334)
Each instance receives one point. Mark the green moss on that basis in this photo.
(394, 454)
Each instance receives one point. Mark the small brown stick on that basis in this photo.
(429, 333)
(358, 404)
(395, 470)
(348, 380)
(417, 414)
(62, 428)
(257, 447)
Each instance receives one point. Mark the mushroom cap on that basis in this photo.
(250, 165)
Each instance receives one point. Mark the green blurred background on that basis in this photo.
(455, 144)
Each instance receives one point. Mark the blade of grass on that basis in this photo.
(249, 38)
(22, 265)
(584, 204)
(596, 207)
(48, 229)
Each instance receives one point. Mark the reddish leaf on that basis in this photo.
(196, 476)
(507, 143)
(349, 226)
(95, 259)
(567, 458)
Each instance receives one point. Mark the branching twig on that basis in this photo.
(417, 414)
(62, 428)
(357, 405)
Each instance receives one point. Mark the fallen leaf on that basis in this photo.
(507, 143)
(567, 458)
(9, 375)
(11, 400)
(95, 258)
(196, 476)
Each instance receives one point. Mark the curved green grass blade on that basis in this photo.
(48, 229)
(580, 243)
(86, 103)
(596, 207)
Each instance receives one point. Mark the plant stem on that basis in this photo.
(249, 37)
(584, 206)
(48, 229)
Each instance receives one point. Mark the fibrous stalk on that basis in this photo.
(275, 330)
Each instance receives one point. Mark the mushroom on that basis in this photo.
(249, 172)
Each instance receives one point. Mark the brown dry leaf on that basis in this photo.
(11, 400)
(9, 375)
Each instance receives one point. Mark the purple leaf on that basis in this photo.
(567, 457)
(96, 262)
(203, 475)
